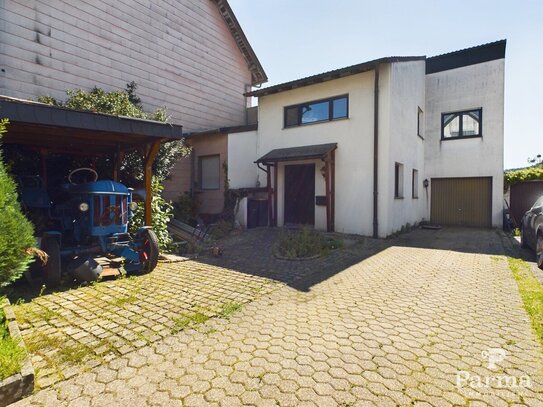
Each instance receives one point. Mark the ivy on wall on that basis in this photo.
(513, 177)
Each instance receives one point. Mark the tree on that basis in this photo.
(17, 233)
(125, 103)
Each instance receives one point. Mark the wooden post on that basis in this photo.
(270, 201)
(333, 191)
(150, 154)
(328, 195)
(275, 170)
(118, 157)
(43, 175)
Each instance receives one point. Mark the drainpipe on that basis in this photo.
(375, 150)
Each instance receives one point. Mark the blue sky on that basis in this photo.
(297, 38)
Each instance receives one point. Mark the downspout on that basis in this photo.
(375, 150)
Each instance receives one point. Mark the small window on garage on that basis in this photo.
(465, 124)
(210, 171)
(398, 180)
(415, 184)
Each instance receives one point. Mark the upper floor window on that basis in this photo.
(461, 124)
(317, 111)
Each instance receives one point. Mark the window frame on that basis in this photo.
(331, 118)
(459, 114)
(420, 117)
(415, 184)
(398, 180)
(200, 172)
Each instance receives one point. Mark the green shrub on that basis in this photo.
(11, 354)
(305, 243)
(16, 232)
(513, 177)
(123, 103)
(186, 208)
(162, 212)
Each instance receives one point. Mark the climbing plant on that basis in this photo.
(512, 177)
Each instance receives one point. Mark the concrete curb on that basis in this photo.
(20, 384)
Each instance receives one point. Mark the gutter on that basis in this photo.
(375, 151)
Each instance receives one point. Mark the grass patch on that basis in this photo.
(229, 309)
(305, 243)
(184, 321)
(11, 354)
(74, 354)
(531, 292)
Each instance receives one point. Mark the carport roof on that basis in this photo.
(79, 132)
(318, 151)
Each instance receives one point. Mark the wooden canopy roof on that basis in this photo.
(70, 131)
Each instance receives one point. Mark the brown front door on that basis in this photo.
(300, 194)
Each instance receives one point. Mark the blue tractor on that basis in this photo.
(91, 223)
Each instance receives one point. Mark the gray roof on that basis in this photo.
(330, 75)
(297, 153)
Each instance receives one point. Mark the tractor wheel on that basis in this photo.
(52, 268)
(149, 251)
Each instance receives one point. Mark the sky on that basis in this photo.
(298, 38)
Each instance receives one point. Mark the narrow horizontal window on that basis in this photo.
(461, 124)
(317, 111)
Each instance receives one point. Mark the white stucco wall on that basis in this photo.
(401, 93)
(242, 153)
(354, 155)
(474, 86)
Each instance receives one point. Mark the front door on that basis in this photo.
(300, 194)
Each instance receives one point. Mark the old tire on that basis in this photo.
(53, 267)
(149, 251)
(539, 250)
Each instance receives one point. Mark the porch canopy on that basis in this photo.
(59, 130)
(324, 152)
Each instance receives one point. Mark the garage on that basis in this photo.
(462, 201)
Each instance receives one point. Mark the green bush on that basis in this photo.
(162, 212)
(305, 243)
(513, 177)
(186, 208)
(11, 354)
(16, 232)
(123, 103)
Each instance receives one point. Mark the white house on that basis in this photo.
(374, 147)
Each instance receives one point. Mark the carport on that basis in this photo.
(53, 129)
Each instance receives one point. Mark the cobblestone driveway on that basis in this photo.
(394, 328)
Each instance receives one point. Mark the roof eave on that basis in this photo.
(258, 75)
(331, 75)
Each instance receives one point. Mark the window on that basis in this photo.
(398, 180)
(210, 171)
(415, 184)
(318, 111)
(419, 123)
(464, 124)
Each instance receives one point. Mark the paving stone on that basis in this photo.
(382, 322)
